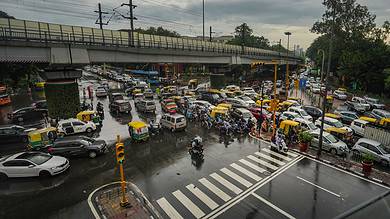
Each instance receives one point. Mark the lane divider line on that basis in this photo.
(273, 206)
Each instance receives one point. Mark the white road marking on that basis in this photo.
(292, 154)
(236, 177)
(270, 158)
(246, 172)
(315, 185)
(203, 197)
(273, 206)
(251, 165)
(168, 209)
(226, 183)
(195, 210)
(276, 154)
(257, 160)
(215, 189)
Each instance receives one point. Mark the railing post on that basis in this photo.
(62, 34)
(82, 35)
(9, 28)
(48, 31)
(74, 38)
(112, 37)
(39, 30)
(45, 37)
(104, 42)
(120, 34)
(93, 36)
(25, 30)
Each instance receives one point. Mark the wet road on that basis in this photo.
(163, 170)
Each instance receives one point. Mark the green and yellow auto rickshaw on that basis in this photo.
(87, 116)
(41, 138)
(138, 131)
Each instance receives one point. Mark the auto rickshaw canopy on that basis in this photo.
(193, 81)
(336, 130)
(86, 115)
(332, 115)
(225, 105)
(264, 102)
(41, 137)
(368, 119)
(287, 124)
(218, 110)
(137, 124)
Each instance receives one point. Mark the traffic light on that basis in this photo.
(120, 152)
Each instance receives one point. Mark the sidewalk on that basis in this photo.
(105, 203)
(344, 163)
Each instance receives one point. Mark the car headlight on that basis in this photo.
(56, 168)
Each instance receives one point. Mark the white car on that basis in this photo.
(374, 103)
(30, 164)
(202, 104)
(376, 149)
(362, 102)
(237, 103)
(101, 92)
(329, 143)
(306, 124)
(339, 95)
(247, 100)
(289, 115)
(73, 126)
(301, 112)
(358, 126)
(247, 89)
(330, 122)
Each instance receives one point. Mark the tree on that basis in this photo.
(5, 15)
(158, 31)
(244, 37)
(360, 54)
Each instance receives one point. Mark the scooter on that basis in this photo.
(279, 145)
(155, 128)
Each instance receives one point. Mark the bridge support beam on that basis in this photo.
(62, 92)
(218, 76)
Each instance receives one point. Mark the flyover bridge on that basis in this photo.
(38, 42)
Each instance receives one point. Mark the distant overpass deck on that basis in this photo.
(31, 41)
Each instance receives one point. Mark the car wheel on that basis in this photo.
(44, 174)
(333, 151)
(384, 163)
(3, 177)
(89, 130)
(92, 154)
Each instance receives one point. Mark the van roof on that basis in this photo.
(176, 115)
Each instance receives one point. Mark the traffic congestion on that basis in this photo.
(357, 124)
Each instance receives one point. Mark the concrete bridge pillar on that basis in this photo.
(218, 76)
(62, 92)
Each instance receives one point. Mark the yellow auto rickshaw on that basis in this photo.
(189, 93)
(342, 89)
(138, 131)
(229, 94)
(136, 91)
(219, 111)
(193, 84)
(40, 86)
(283, 106)
(87, 116)
(288, 125)
(263, 103)
(333, 116)
(41, 138)
(368, 119)
(385, 122)
(225, 105)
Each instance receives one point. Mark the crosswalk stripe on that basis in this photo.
(276, 154)
(270, 158)
(168, 209)
(226, 183)
(257, 160)
(195, 210)
(203, 197)
(292, 154)
(251, 165)
(246, 172)
(236, 177)
(221, 194)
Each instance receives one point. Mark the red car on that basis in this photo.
(256, 111)
(169, 106)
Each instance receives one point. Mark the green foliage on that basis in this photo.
(368, 158)
(244, 37)
(305, 137)
(360, 53)
(158, 31)
(387, 80)
(5, 15)
(63, 100)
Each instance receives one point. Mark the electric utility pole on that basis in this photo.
(100, 19)
(211, 34)
(203, 21)
(131, 18)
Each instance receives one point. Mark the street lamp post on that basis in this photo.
(203, 20)
(287, 67)
(322, 72)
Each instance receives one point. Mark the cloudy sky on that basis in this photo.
(270, 18)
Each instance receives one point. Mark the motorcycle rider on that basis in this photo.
(196, 144)
(280, 142)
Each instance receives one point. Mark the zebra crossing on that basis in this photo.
(200, 198)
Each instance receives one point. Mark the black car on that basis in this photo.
(78, 146)
(41, 104)
(211, 98)
(313, 111)
(348, 116)
(26, 114)
(13, 133)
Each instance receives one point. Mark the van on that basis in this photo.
(174, 122)
(358, 126)
(146, 106)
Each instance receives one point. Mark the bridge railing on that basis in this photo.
(23, 30)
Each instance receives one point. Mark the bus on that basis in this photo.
(4, 96)
(150, 77)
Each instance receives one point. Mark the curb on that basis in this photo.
(330, 163)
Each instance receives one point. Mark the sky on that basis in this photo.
(268, 18)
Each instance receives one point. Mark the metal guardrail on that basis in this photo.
(31, 31)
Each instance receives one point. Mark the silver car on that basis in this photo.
(30, 164)
(329, 143)
(376, 149)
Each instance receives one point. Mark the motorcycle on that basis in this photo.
(278, 144)
(154, 128)
(196, 148)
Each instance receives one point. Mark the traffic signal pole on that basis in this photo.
(120, 157)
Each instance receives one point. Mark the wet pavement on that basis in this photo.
(165, 172)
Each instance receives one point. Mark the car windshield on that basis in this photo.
(331, 138)
(37, 158)
(383, 149)
(311, 126)
(215, 96)
(304, 113)
(246, 98)
(338, 124)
